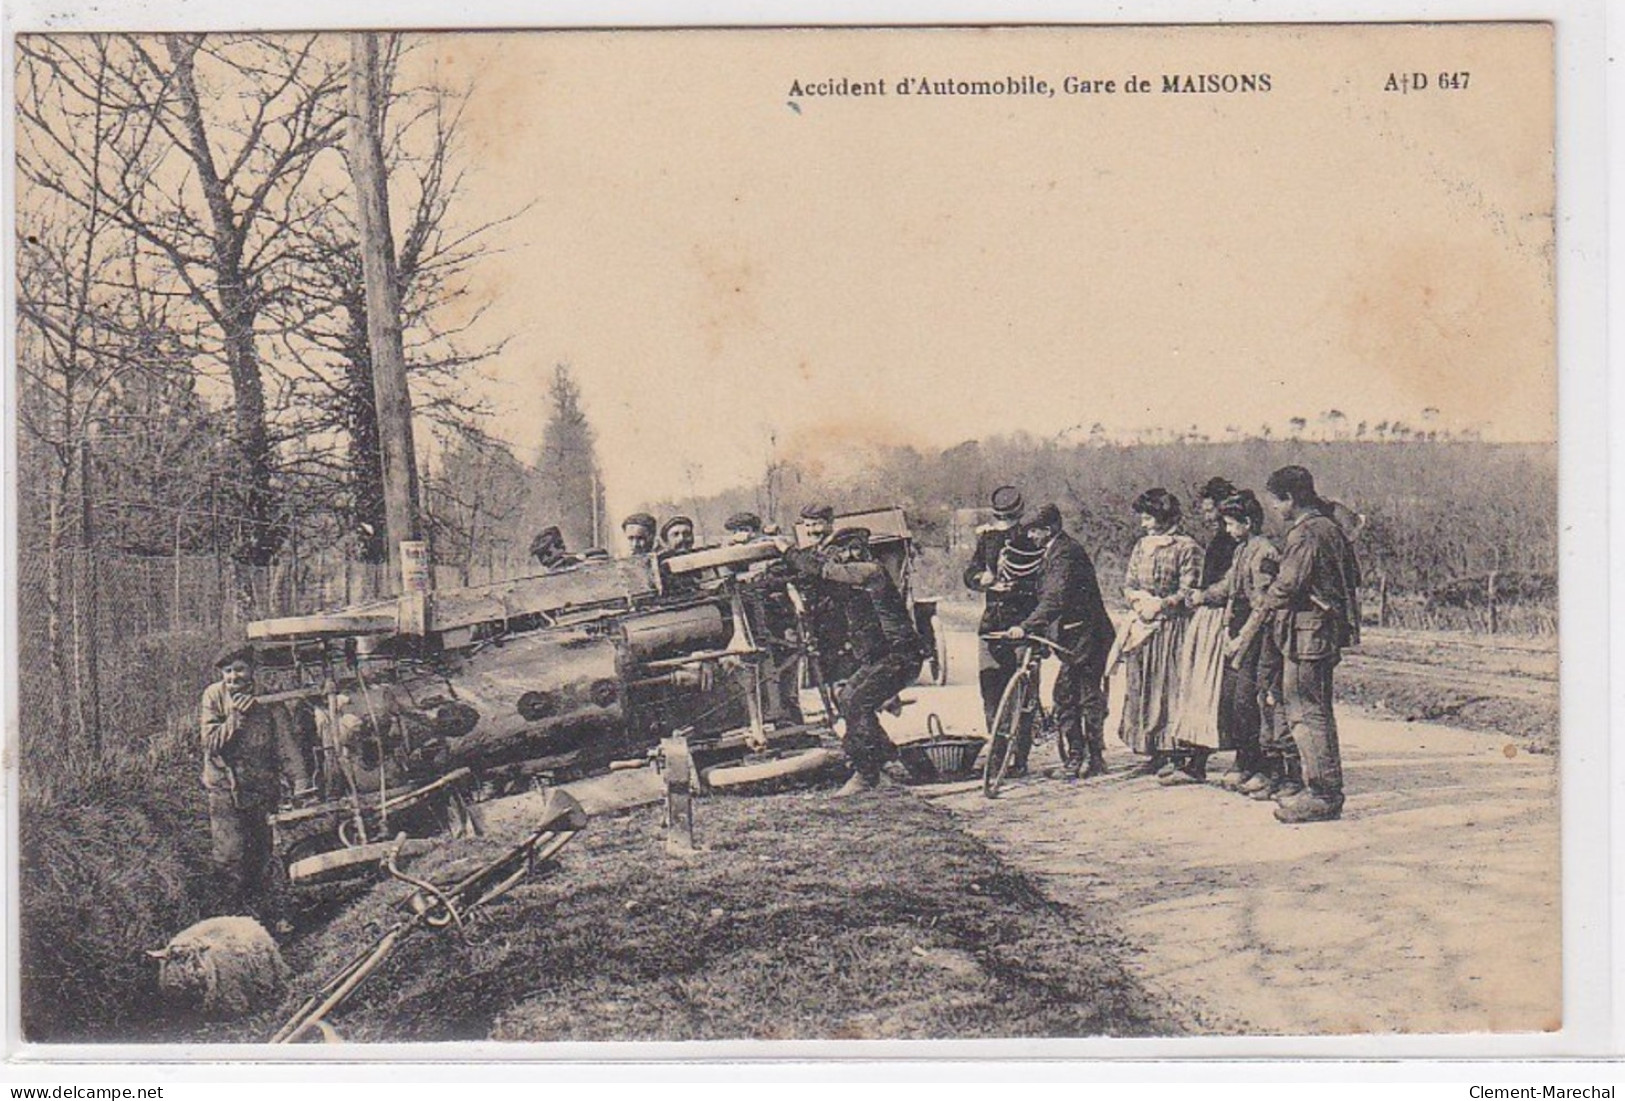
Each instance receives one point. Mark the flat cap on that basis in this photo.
(1007, 500)
(743, 521)
(825, 513)
(639, 520)
(678, 521)
(234, 652)
(858, 536)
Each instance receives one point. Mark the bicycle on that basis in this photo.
(1021, 717)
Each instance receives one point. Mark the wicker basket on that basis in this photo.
(940, 758)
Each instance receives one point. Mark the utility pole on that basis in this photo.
(390, 393)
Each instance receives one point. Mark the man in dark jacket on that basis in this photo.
(1071, 613)
(1315, 609)
(1003, 569)
(884, 644)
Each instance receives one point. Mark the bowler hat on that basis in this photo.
(1007, 501)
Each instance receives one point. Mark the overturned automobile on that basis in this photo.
(411, 710)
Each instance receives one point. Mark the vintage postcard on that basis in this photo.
(854, 534)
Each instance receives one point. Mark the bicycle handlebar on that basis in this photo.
(1054, 647)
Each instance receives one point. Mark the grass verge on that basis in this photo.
(805, 917)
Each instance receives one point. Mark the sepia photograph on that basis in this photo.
(763, 535)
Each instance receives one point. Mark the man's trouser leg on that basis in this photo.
(866, 745)
(1307, 688)
(996, 662)
(1079, 705)
(241, 844)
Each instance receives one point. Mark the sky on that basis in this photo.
(734, 275)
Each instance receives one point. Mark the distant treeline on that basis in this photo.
(1435, 510)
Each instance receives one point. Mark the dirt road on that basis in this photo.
(1433, 906)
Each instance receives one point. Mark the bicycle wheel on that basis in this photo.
(1008, 719)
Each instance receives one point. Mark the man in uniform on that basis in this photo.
(1070, 612)
(885, 646)
(1002, 569)
(639, 530)
(548, 550)
(1313, 602)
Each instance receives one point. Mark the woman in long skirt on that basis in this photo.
(1243, 712)
(1201, 722)
(1164, 564)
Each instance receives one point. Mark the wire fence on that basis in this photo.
(114, 649)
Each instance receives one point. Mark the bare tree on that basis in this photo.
(216, 140)
(435, 251)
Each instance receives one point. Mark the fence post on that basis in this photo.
(175, 605)
(92, 689)
(1382, 601)
(214, 542)
(1495, 619)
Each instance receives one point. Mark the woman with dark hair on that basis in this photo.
(1201, 726)
(1246, 712)
(1164, 564)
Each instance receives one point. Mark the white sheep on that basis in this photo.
(222, 967)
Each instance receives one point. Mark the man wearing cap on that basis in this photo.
(246, 753)
(548, 550)
(885, 645)
(639, 530)
(1313, 602)
(743, 527)
(825, 618)
(1069, 611)
(677, 535)
(1002, 569)
(817, 521)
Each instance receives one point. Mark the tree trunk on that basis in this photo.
(390, 392)
(259, 535)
